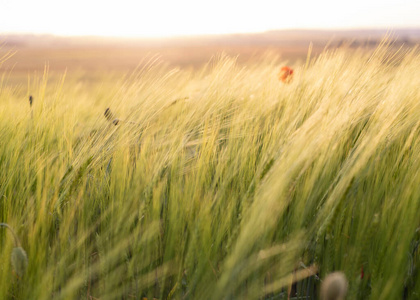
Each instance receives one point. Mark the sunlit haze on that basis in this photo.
(189, 17)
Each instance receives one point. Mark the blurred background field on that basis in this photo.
(90, 58)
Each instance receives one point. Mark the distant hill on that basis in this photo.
(269, 38)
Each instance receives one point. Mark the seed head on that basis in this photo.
(334, 287)
(31, 100)
(108, 114)
(19, 261)
(19, 258)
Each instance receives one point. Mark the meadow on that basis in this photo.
(220, 182)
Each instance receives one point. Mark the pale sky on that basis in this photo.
(189, 17)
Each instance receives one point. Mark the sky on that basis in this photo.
(159, 18)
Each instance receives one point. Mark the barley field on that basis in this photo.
(216, 183)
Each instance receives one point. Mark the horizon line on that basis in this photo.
(302, 29)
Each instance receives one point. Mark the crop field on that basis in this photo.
(213, 182)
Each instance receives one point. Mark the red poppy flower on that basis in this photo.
(285, 74)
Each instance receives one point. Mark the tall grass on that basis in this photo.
(222, 195)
